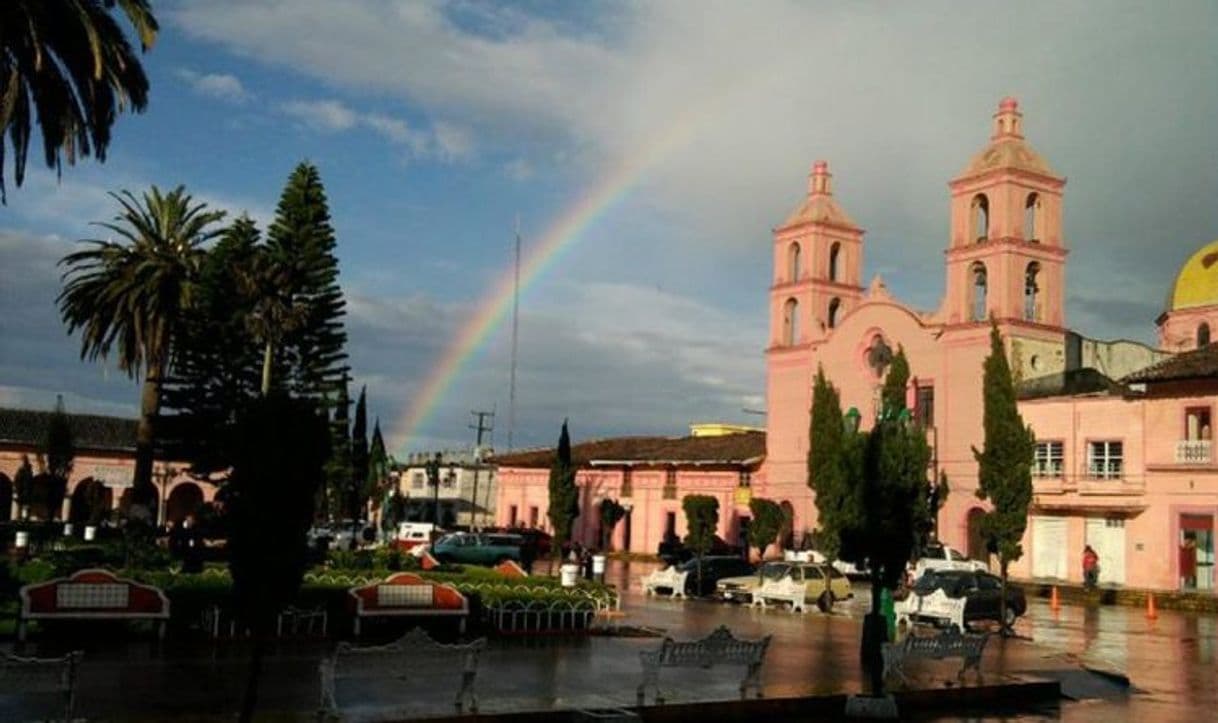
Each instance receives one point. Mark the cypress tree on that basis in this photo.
(826, 474)
(564, 494)
(897, 379)
(338, 474)
(1004, 466)
(313, 358)
(359, 454)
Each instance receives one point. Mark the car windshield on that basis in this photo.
(775, 570)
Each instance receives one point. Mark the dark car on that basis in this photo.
(981, 590)
(540, 540)
(674, 552)
(714, 569)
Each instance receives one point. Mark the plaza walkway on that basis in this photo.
(812, 655)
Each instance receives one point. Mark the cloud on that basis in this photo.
(518, 169)
(220, 86)
(722, 110)
(445, 141)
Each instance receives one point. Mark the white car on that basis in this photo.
(937, 556)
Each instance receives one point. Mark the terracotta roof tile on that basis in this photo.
(725, 449)
(90, 431)
(1196, 364)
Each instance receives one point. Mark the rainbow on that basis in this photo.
(561, 236)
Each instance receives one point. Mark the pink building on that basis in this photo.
(105, 461)
(1005, 260)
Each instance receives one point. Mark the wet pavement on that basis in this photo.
(1171, 662)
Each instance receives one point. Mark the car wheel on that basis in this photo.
(1011, 616)
(825, 602)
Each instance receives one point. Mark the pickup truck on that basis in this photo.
(941, 557)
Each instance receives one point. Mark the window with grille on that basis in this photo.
(1048, 460)
(417, 481)
(670, 485)
(924, 407)
(1104, 459)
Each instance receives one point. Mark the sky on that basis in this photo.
(684, 131)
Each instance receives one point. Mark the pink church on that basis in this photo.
(1123, 462)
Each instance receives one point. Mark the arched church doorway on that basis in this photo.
(184, 500)
(91, 501)
(976, 542)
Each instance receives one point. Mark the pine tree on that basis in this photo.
(211, 381)
(564, 493)
(359, 454)
(313, 355)
(1004, 473)
(897, 379)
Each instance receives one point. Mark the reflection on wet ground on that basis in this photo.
(1171, 662)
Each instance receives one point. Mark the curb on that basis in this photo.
(1027, 695)
(1126, 597)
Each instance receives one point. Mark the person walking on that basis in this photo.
(1091, 568)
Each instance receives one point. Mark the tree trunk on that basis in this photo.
(249, 701)
(267, 355)
(150, 405)
(1002, 600)
(875, 633)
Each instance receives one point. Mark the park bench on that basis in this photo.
(92, 595)
(782, 590)
(949, 644)
(936, 608)
(408, 595)
(22, 676)
(718, 648)
(413, 655)
(669, 577)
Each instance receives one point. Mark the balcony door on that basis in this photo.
(1049, 547)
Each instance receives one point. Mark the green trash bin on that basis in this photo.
(887, 609)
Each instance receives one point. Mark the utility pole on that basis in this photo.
(481, 428)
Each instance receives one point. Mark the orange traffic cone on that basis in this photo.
(1151, 612)
(1054, 603)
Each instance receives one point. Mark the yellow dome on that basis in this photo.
(1197, 282)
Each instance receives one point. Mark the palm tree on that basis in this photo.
(129, 296)
(69, 63)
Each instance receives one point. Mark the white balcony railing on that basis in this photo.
(1194, 451)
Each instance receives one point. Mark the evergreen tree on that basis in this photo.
(359, 454)
(23, 487)
(211, 381)
(564, 493)
(895, 382)
(701, 521)
(58, 446)
(378, 466)
(1004, 473)
(826, 465)
(338, 471)
(278, 448)
(767, 520)
(313, 355)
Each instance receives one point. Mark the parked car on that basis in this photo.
(673, 551)
(714, 569)
(823, 583)
(477, 549)
(541, 540)
(981, 591)
(937, 556)
(415, 534)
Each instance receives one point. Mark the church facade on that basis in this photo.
(1100, 460)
